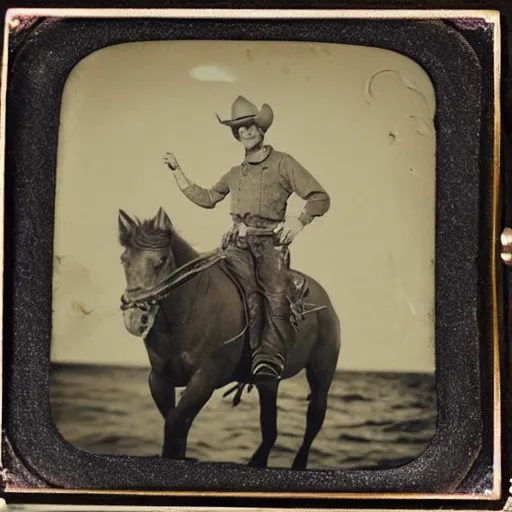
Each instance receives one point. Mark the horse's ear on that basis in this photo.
(126, 225)
(162, 220)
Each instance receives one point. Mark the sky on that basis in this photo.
(358, 118)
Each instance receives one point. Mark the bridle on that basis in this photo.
(179, 276)
(148, 302)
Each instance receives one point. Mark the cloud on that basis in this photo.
(212, 73)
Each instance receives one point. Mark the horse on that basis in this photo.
(197, 337)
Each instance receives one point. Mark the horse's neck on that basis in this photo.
(183, 303)
(195, 289)
(183, 252)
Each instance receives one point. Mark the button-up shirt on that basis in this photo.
(262, 188)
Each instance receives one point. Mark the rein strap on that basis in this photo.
(177, 278)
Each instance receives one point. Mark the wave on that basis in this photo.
(414, 425)
(354, 439)
(110, 410)
(355, 398)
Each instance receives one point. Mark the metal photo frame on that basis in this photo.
(466, 463)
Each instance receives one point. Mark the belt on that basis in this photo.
(259, 231)
(241, 237)
(242, 230)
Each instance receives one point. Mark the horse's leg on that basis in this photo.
(163, 394)
(319, 372)
(315, 417)
(179, 419)
(268, 421)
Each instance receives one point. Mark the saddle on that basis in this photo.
(297, 295)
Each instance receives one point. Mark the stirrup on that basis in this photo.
(265, 371)
(267, 366)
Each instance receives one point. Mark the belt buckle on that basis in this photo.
(242, 230)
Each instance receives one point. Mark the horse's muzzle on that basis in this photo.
(139, 322)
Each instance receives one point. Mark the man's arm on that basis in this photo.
(300, 181)
(296, 178)
(206, 198)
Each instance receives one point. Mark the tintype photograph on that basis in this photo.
(239, 215)
(254, 255)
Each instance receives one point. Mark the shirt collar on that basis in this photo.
(258, 160)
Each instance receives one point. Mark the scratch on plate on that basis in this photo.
(80, 308)
(418, 174)
(424, 127)
(405, 296)
(405, 80)
(393, 136)
(58, 260)
(400, 284)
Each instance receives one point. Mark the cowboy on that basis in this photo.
(260, 187)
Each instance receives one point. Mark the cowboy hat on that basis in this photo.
(243, 111)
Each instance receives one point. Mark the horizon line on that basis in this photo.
(148, 367)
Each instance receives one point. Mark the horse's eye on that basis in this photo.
(160, 261)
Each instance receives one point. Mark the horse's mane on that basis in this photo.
(144, 235)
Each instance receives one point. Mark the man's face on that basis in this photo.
(250, 136)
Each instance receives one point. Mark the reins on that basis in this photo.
(178, 277)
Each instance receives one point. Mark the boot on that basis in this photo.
(269, 358)
(266, 366)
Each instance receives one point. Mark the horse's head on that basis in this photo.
(148, 257)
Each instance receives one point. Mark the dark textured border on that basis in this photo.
(41, 58)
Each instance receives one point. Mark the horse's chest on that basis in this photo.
(183, 366)
(174, 366)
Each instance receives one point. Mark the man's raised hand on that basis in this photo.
(171, 161)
